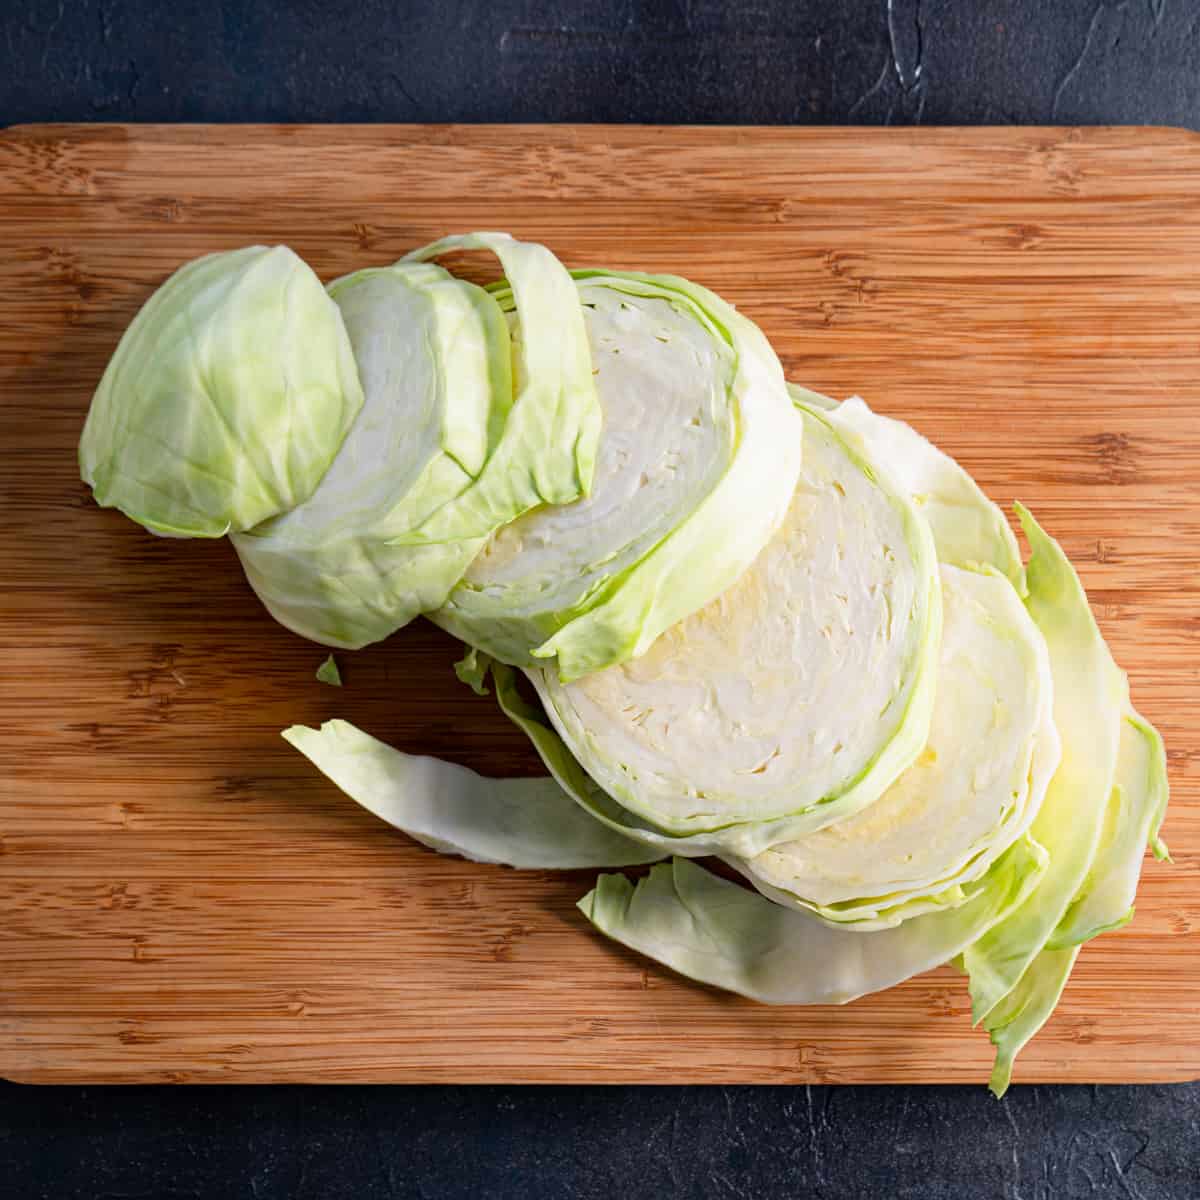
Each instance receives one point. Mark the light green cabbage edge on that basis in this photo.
(226, 399)
(625, 609)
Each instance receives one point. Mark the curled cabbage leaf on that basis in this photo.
(696, 466)
(226, 399)
(720, 933)
(519, 822)
(1090, 696)
(797, 696)
(1103, 902)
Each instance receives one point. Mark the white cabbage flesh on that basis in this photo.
(226, 399)
(696, 465)
(519, 822)
(971, 793)
(433, 355)
(797, 696)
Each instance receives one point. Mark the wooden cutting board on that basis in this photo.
(183, 898)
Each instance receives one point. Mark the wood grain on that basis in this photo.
(183, 898)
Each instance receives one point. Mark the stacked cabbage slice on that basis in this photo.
(736, 619)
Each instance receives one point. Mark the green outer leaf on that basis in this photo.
(748, 836)
(226, 399)
(1019, 1014)
(546, 453)
(719, 933)
(328, 672)
(1135, 812)
(1090, 693)
(517, 822)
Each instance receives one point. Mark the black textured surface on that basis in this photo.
(865, 61)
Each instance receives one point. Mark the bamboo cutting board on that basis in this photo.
(183, 898)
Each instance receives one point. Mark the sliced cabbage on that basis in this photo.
(980, 780)
(793, 699)
(518, 822)
(434, 357)
(929, 840)
(226, 399)
(720, 933)
(1090, 696)
(443, 451)
(697, 464)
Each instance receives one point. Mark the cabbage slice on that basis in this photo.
(696, 466)
(444, 451)
(929, 840)
(793, 699)
(434, 358)
(226, 399)
(518, 822)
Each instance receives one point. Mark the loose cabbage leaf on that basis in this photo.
(1135, 811)
(1090, 694)
(517, 822)
(226, 399)
(719, 933)
(328, 672)
(1018, 1015)
(472, 669)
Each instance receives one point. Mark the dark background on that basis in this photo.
(824, 62)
